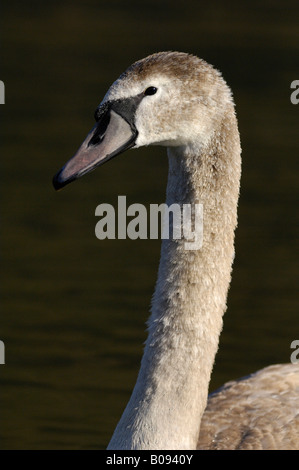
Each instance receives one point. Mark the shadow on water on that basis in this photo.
(74, 308)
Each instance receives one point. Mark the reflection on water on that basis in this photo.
(74, 308)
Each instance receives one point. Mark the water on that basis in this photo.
(74, 308)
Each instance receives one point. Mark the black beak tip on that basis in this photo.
(58, 183)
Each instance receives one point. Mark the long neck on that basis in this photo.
(170, 394)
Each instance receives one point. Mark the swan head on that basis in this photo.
(169, 98)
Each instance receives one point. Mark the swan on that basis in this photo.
(179, 101)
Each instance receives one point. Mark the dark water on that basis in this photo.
(73, 308)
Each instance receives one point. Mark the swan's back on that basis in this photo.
(259, 412)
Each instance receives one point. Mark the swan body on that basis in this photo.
(259, 412)
(179, 101)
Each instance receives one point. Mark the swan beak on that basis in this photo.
(112, 135)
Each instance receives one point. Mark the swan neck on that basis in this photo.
(170, 395)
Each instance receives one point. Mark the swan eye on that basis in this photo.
(151, 90)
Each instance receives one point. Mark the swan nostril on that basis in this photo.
(102, 120)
